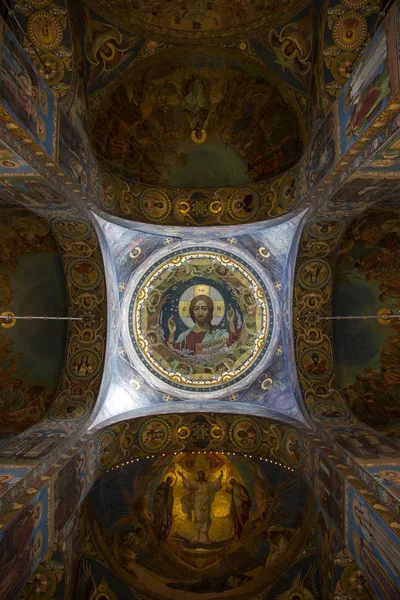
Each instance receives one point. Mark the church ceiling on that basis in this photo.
(189, 119)
(200, 322)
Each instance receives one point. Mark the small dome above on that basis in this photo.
(189, 120)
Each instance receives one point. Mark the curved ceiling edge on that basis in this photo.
(206, 408)
(230, 206)
(188, 232)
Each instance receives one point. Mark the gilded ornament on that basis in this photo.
(243, 205)
(350, 31)
(154, 435)
(155, 205)
(200, 320)
(245, 434)
(45, 30)
(50, 67)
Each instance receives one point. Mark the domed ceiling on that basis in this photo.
(368, 352)
(204, 118)
(199, 320)
(186, 20)
(202, 323)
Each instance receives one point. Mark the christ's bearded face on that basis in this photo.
(200, 311)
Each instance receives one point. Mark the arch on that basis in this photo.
(327, 408)
(32, 283)
(366, 271)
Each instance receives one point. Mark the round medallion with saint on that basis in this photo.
(200, 319)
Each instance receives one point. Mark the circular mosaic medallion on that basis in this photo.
(84, 364)
(155, 205)
(50, 67)
(325, 229)
(109, 191)
(154, 435)
(329, 409)
(316, 364)
(341, 66)
(292, 448)
(314, 273)
(84, 273)
(69, 411)
(287, 191)
(245, 434)
(349, 31)
(200, 320)
(107, 447)
(243, 205)
(72, 228)
(45, 30)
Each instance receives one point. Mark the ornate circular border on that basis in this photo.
(325, 236)
(317, 283)
(316, 376)
(333, 404)
(111, 455)
(295, 464)
(256, 426)
(353, 18)
(165, 385)
(57, 412)
(240, 193)
(80, 353)
(83, 286)
(106, 179)
(57, 225)
(148, 215)
(44, 15)
(168, 435)
(247, 370)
